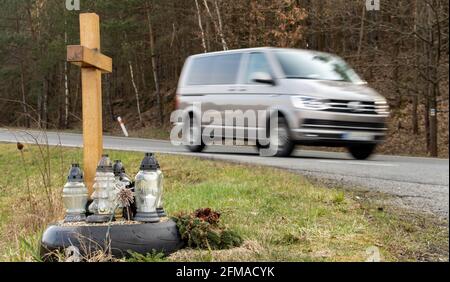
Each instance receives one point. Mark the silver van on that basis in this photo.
(318, 99)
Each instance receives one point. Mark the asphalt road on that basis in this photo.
(418, 183)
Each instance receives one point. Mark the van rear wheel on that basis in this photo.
(362, 151)
(194, 138)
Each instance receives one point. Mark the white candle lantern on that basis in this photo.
(104, 192)
(147, 190)
(75, 195)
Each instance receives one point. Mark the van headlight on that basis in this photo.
(382, 107)
(309, 103)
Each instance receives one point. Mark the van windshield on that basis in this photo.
(315, 65)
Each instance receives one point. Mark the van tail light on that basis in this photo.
(177, 102)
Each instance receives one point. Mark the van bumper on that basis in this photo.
(320, 128)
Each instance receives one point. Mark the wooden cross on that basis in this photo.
(93, 63)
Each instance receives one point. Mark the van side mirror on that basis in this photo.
(263, 77)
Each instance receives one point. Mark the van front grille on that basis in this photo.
(343, 125)
(354, 107)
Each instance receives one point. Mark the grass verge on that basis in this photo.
(281, 216)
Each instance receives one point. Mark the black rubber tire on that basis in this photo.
(289, 146)
(161, 237)
(362, 151)
(195, 148)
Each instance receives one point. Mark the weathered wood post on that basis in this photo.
(93, 63)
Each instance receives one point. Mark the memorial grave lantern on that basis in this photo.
(147, 190)
(103, 205)
(75, 195)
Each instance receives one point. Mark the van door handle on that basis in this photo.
(243, 89)
(232, 89)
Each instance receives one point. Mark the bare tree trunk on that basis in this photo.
(39, 110)
(415, 98)
(433, 124)
(218, 24)
(22, 83)
(396, 75)
(174, 34)
(221, 33)
(200, 24)
(436, 89)
(141, 69)
(66, 96)
(34, 72)
(76, 97)
(415, 119)
(427, 62)
(60, 75)
(112, 93)
(251, 23)
(427, 123)
(433, 62)
(44, 114)
(155, 67)
(136, 92)
(108, 97)
(361, 31)
(207, 33)
(66, 89)
(24, 99)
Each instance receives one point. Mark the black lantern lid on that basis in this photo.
(149, 163)
(75, 174)
(118, 168)
(105, 164)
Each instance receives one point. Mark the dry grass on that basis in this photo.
(247, 252)
(31, 198)
(281, 216)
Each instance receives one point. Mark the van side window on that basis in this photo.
(257, 63)
(200, 71)
(214, 70)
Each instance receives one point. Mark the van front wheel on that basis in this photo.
(362, 151)
(280, 138)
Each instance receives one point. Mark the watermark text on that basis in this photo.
(73, 5)
(373, 5)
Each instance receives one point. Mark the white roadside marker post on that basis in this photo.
(122, 125)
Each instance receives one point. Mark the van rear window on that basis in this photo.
(222, 69)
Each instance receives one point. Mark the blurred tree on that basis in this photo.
(401, 50)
